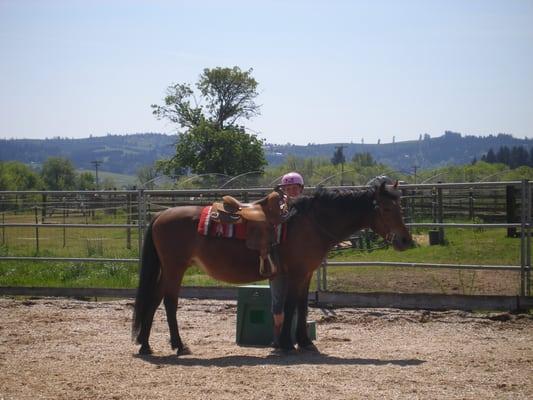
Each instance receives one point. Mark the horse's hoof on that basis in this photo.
(279, 352)
(309, 348)
(184, 351)
(145, 351)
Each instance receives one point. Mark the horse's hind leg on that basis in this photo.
(171, 307)
(146, 326)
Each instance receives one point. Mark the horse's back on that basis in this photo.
(174, 233)
(178, 243)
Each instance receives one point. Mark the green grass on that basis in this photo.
(463, 246)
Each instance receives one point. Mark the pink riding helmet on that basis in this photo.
(292, 178)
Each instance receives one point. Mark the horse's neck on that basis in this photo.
(337, 224)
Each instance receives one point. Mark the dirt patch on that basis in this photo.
(67, 349)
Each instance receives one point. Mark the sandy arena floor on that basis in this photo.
(68, 349)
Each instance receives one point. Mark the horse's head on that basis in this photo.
(387, 218)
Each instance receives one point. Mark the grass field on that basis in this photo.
(463, 246)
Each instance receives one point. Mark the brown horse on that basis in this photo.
(316, 224)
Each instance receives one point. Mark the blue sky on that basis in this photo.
(328, 71)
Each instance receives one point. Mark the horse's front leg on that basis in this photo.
(291, 300)
(302, 337)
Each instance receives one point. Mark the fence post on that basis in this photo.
(528, 241)
(128, 221)
(510, 203)
(440, 214)
(471, 215)
(43, 210)
(434, 204)
(3, 228)
(523, 252)
(64, 222)
(140, 222)
(36, 230)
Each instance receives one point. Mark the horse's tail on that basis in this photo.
(148, 280)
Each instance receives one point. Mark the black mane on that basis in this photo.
(344, 200)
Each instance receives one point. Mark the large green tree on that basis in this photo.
(209, 138)
(58, 174)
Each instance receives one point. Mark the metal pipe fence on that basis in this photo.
(139, 204)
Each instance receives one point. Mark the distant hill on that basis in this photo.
(450, 149)
(125, 154)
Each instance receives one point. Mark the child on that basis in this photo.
(292, 185)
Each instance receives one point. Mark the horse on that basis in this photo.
(316, 224)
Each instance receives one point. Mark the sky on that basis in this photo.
(328, 71)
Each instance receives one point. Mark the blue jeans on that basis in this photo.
(278, 291)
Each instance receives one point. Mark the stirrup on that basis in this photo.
(262, 270)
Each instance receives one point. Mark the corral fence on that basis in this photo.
(483, 205)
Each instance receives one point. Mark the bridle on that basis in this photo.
(389, 237)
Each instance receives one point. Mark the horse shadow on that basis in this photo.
(291, 359)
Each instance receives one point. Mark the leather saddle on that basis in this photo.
(261, 218)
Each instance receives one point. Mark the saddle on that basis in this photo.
(261, 217)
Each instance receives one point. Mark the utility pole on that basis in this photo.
(96, 164)
(415, 168)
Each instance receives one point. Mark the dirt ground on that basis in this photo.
(69, 349)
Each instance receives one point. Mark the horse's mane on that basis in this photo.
(343, 200)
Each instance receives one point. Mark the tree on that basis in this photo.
(209, 139)
(504, 155)
(58, 174)
(15, 175)
(146, 176)
(338, 156)
(86, 181)
(519, 157)
(363, 159)
(229, 151)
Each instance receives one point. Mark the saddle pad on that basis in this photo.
(208, 227)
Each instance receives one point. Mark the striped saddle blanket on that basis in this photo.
(208, 227)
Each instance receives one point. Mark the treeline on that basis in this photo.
(56, 173)
(514, 157)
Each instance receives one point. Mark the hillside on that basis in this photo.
(125, 154)
(449, 149)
